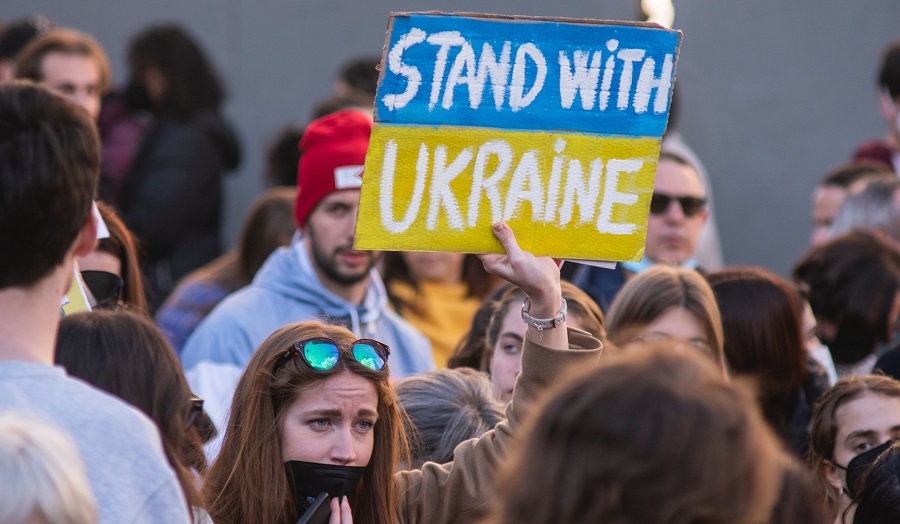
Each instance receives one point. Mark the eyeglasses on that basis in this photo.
(690, 206)
(323, 353)
(196, 409)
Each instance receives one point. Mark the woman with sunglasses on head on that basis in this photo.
(124, 354)
(314, 412)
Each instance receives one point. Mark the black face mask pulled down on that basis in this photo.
(860, 464)
(309, 479)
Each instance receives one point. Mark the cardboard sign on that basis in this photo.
(552, 126)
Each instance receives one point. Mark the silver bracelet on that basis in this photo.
(543, 323)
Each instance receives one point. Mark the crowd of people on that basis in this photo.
(295, 377)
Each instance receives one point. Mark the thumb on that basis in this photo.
(506, 237)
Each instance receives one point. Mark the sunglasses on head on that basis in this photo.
(690, 206)
(323, 353)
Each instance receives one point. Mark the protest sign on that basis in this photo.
(552, 126)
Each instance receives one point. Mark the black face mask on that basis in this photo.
(860, 463)
(308, 479)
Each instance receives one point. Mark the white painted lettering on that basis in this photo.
(629, 57)
(518, 99)
(446, 40)
(386, 200)
(504, 153)
(583, 79)
(441, 193)
(396, 66)
(648, 81)
(527, 174)
(612, 196)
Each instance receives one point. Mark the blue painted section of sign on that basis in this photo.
(453, 70)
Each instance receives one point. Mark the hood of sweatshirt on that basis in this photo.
(289, 272)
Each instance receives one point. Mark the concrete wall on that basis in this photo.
(773, 93)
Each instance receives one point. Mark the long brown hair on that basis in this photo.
(824, 426)
(762, 319)
(248, 482)
(653, 434)
(123, 353)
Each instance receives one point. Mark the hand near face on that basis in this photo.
(340, 511)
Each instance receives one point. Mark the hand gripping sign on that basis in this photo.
(551, 125)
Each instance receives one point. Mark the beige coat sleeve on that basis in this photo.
(460, 491)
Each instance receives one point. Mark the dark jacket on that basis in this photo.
(172, 198)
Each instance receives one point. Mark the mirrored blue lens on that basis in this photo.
(368, 355)
(321, 355)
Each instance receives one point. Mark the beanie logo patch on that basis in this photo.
(348, 177)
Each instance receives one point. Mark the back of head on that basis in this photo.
(124, 354)
(49, 167)
(852, 281)
(651, 293)
(29, 64)
(269, 225)
(446, 407)
(889, 73)
(42, 477)
(18, 33)
(191, 83)
(874, 206)
(846, 176)
(878, 500)
(616, 414)
(762, 324)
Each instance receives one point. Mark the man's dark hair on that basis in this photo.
(846, 175)
(191, 82)
(889, 74)
(361, 74)
(49, 166)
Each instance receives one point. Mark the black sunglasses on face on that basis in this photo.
(105, 286)
(690, 206)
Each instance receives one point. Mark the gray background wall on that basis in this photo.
(773, 92)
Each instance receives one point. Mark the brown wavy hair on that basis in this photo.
(824, 427)
(248, 482)
(653, 434)
(30, 62)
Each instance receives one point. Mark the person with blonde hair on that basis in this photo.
(42, 478)
(668, 302)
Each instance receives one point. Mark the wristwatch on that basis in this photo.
(543, 323)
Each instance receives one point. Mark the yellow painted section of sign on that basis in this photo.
(566, 195)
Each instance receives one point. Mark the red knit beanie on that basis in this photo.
(333, 152)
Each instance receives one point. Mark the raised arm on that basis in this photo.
(538, 277)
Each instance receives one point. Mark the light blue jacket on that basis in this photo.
(287, 290)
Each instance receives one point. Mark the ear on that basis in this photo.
(704, 215)
(86, 240)
(833, 475)
(887, 105)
